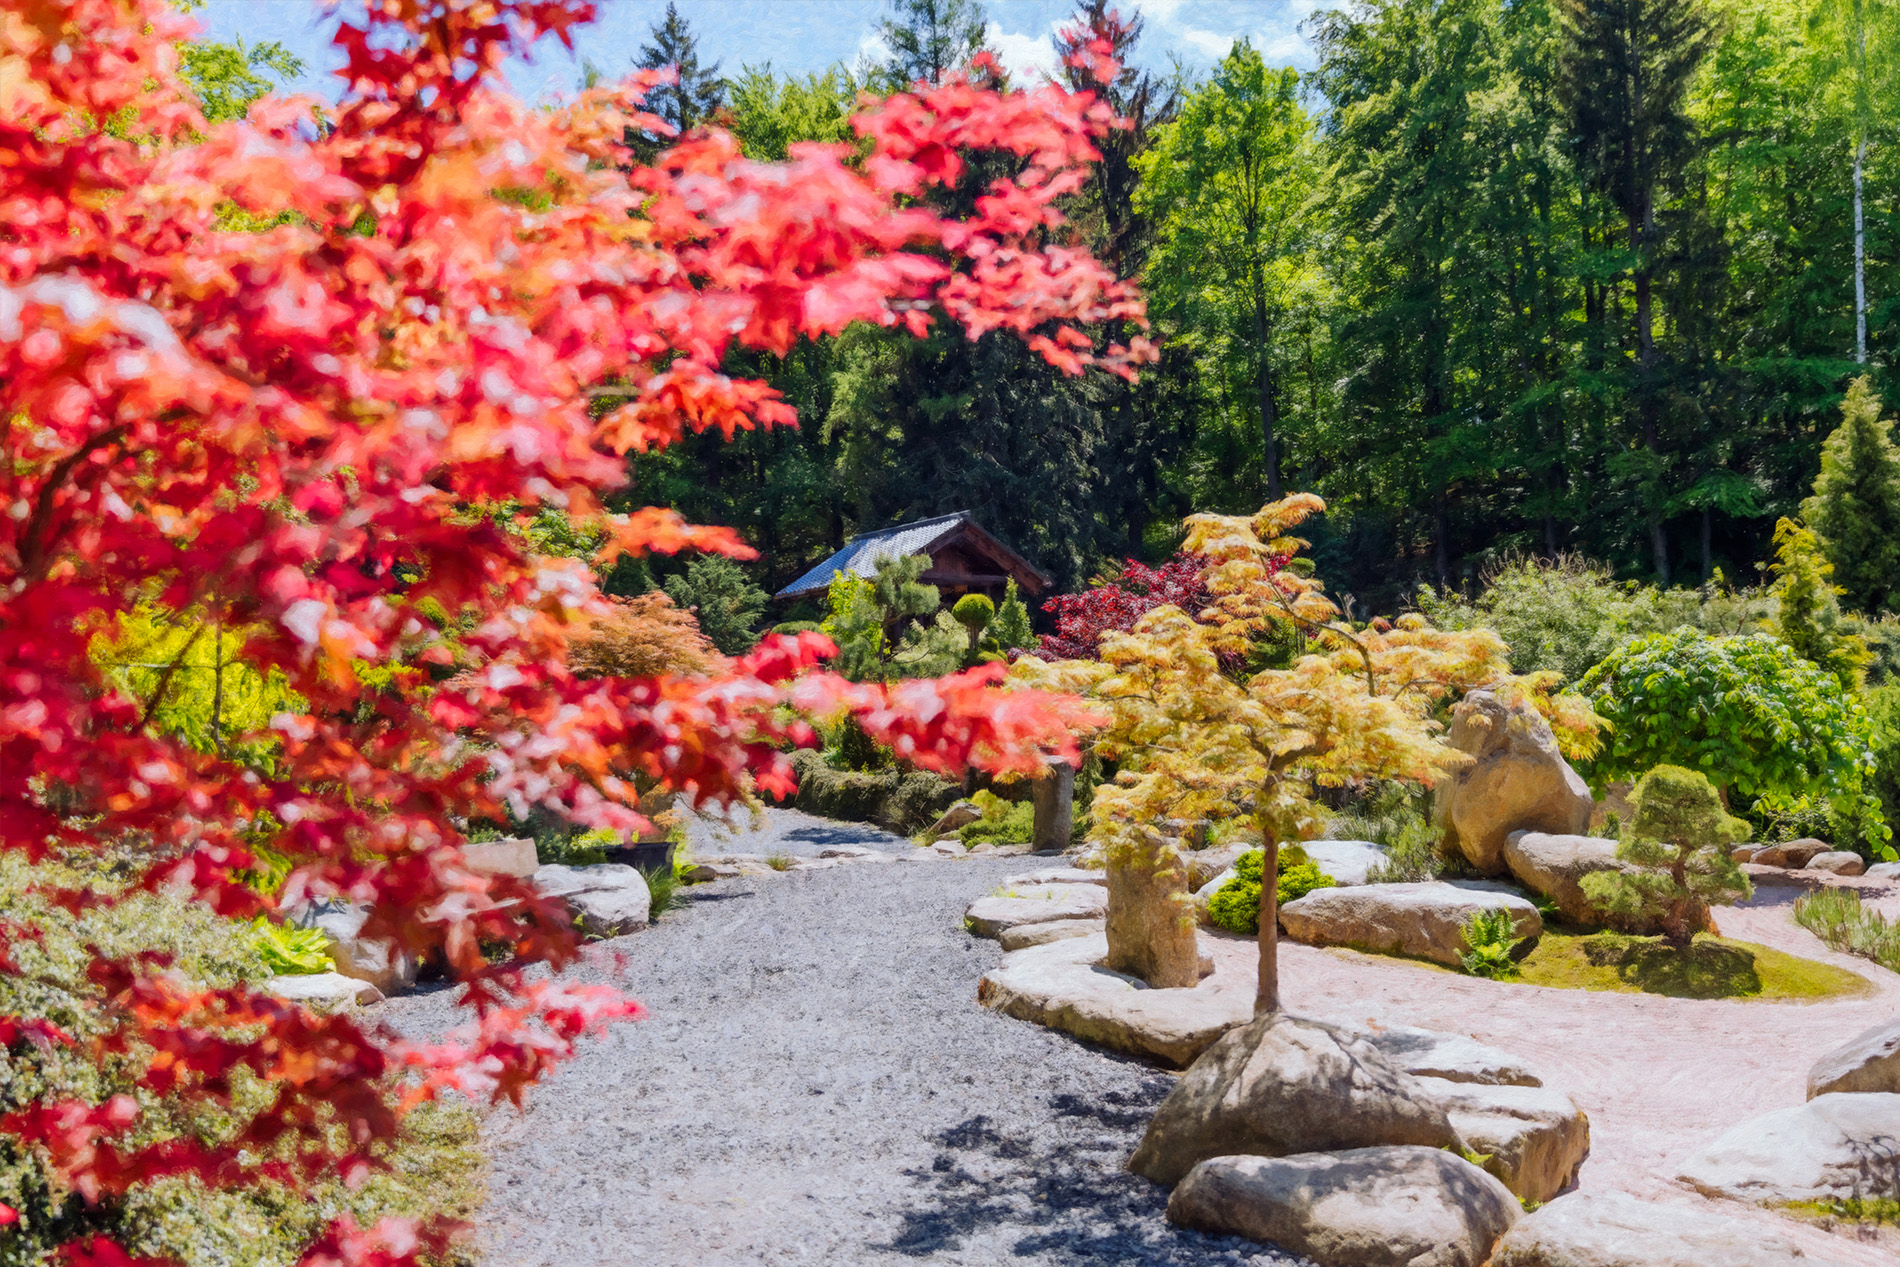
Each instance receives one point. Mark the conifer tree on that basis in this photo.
(1679, 841)
(1855, 509)
(928, 37)
(1808, 616)
(699, 90)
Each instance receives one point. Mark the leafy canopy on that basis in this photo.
(281, 379)
(1679, 841)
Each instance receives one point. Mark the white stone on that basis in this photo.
(1613, 1229)
(1346, 861)
(375, 960)
(1366, 1207)
(1056, 875)
(1428, 1053)
(988, 916)
(1534, 1138)
(1834, 1146)
(1883, 871)
(513, 856)
(323, 989)
(1425, 919)
(1023, 936)
(609, 898)
(1062, 986)
(1869, 1061)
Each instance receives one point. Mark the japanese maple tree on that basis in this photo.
(278, 375)
(1114, 603)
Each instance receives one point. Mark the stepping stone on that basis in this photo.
(1612, 1229)
(1023, 936)
(1846, 1144)
(1366, 1207)
(988, 916)
(1056, 875)
(327, 990)
(1425, 919)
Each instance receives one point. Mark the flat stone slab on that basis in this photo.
(323, 989)
(1534, 1138)
(1404, 1206)
(1346, 861)
(1846, 1144)
(1425, 919)
(1612, 1229)
(1869, 1061)
(1023, 936)
(513, 856)
(1056, 875)
(1060, 985)
(1430, 1053)
(989, 916)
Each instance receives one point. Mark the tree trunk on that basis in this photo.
(1860, 261)
(1269, 404)
(1267, 996)
(1151, 924)
(1708, 545)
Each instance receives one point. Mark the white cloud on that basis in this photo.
(1028, 58)
(1214, 43)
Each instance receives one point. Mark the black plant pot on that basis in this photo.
(646, 857)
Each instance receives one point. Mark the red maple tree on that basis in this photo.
(281, 373)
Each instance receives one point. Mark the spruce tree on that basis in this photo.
(1855, 509)
(699, 91)
(1808, 616)
(929, 37)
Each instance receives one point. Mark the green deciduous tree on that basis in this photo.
(228, 78)
(1855, 509)
(1679, 840)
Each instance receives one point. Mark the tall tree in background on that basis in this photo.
(1228, 183)
(1625, 74)
(1855, 509)
(1858, 41)
(926, 38)
(698, 92)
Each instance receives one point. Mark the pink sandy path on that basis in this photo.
(1657, 1076)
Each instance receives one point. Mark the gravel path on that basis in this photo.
(816, 1084)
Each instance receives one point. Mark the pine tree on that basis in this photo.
(1625, 75)
(1855, 509)
(1808, 616)
(1679, 841)
(929, 37)
(699, 91)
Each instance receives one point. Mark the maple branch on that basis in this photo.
(165, 678)
(33, 539)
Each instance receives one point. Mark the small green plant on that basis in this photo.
(1236, 906)
(1852, 1209)
(779, 860)
(1490, 937)
(1837, 918)
(291, 951)
(663, 890)
(581, 850)
(1003, 822)
(1613, 825)
(1395, 816)
(1680, 840)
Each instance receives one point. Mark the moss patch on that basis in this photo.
(1709, 968)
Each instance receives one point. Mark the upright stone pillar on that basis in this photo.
(1151, 924)
(1054, 794)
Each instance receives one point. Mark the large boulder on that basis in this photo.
(989, 916)
(1794, 855)
(513, 855)
(1345, 861)
(1833, 1147)
(1063, 986)
(1532, 1138)
(1869, 1061)
(1838, 862)
(609, 899)
(1425, 919)
(1205, 864)
(1888, 871)
(1365, 1207)
(962, 814)
(376, 960)
(1517, 781)
(1280, 1085)
(1612, 1229)
(1428, 1053)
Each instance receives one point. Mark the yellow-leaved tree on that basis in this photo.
(1201, 735)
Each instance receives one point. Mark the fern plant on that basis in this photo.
(290, 951)
(1490, 937)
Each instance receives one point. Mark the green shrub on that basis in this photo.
(291, 951)
(1679, 838)
(434, 1166)
(1235, 906)
(898, 800)
(724, 601)
(1746, 711)
(1490, 937)
(582, 849)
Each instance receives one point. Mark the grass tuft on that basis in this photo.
(1837, 918)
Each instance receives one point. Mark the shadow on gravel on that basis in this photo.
(1058, 1195)
(843, 834)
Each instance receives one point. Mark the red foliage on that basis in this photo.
(1114, 604)
(287, 428)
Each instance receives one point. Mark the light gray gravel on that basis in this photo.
(817, 1084)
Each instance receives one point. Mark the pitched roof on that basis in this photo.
(863, 553)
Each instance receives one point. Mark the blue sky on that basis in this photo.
(794, 35)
